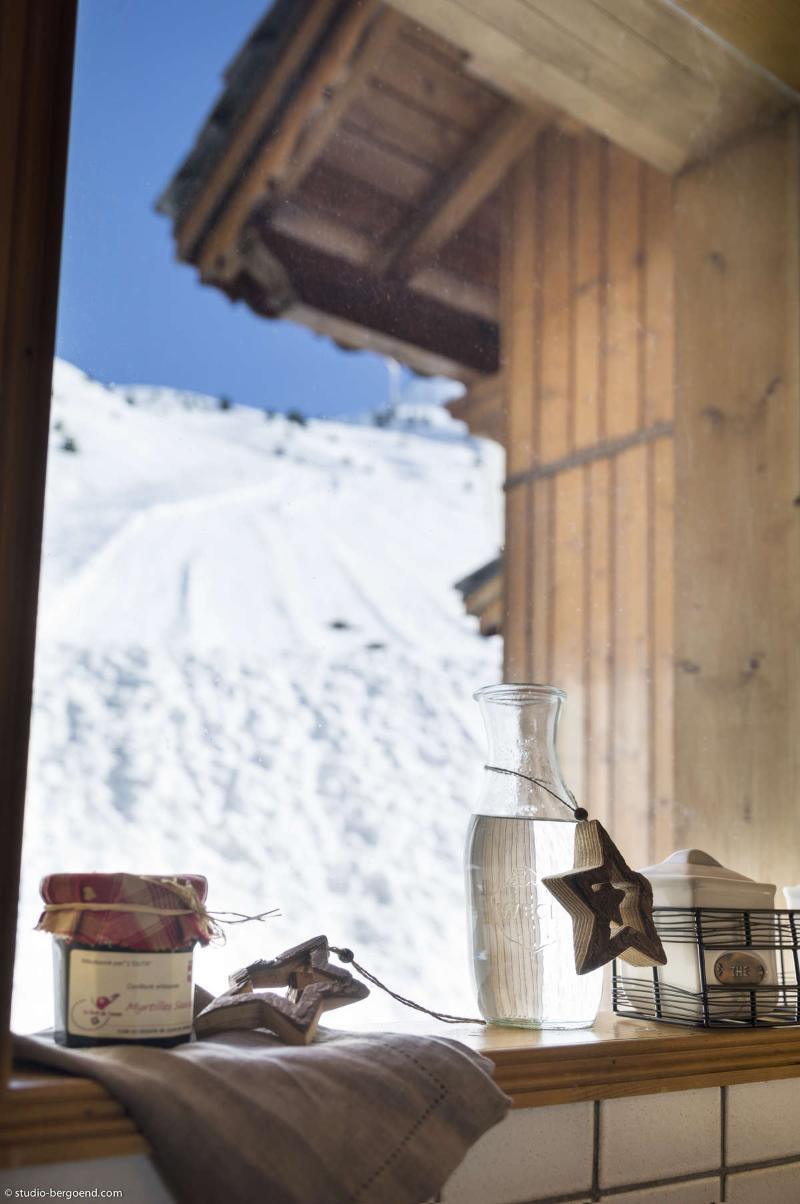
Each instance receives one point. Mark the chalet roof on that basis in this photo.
(347, 178)
(479, 577)
(350, 175)
(482, 594)
(243, 78)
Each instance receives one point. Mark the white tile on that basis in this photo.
(534, 1152)
(651, 1137)
(763, 1121)
(697, 1191)
(777, 1185)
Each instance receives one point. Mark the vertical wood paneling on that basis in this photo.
(662, 504)
(589, 269)
(737, 519)
(518, 308)
(599, 646)
(516, 592)
(622, 294)
(568, 633)
(554, 343)
(516, 349)
(541, 584)
(589, 311)
(631, 668)
(659, 301)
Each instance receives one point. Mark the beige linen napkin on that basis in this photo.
(379, 1118)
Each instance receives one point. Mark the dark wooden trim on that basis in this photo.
(388, 308)
(586, 455)
(36, 54)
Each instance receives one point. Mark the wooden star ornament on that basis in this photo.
(610, 904)
(314, 987)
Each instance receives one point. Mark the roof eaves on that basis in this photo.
(244, 76)
(481, 576)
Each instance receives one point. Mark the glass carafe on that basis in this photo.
(520, 936)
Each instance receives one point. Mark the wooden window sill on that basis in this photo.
(48, 1117)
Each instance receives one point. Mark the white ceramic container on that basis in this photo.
(792, 895)
(691, 878)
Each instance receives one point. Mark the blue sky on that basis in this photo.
(146, 74)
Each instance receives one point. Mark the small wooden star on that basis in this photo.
(314, 987)
(610, 904)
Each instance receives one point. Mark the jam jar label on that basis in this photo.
(129, 996)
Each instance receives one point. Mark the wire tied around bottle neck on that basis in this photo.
(578, 812)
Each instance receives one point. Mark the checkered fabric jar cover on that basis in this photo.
(174, 915)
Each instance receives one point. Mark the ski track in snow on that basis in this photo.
(251, 664)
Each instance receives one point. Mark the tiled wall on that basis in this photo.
(738, 1144)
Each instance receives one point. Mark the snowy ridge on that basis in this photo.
(252, 664)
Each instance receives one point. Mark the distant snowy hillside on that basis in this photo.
(252, 664)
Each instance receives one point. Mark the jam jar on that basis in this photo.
(122, 954)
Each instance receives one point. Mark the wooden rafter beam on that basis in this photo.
(642, 73)
(275, 156)
(314, 140)
(461, 294)
(190, 225)
(454, 200)
(334, 237)
(354, 337)
(377, 315)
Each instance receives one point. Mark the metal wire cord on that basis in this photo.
(349, 958)
(578, 812)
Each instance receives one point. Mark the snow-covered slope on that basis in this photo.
(252, 664)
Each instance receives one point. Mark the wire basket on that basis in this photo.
(726, 968)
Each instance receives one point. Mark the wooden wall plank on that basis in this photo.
(541, 566)
(567, 628)
(599, 628)
(516, 590)
(659, 297)
(622, 294)
(661, 505)
(737, 524)
(555, 286)
(631, 777)
(520, 306)
(588, 270)
(590, 210)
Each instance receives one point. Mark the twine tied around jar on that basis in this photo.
(210, 921)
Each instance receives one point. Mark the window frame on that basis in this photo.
(37, 43)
